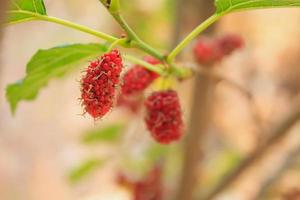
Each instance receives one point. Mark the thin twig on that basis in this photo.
(289, 161)
(277, 134)
(249, 97)
(242, 90)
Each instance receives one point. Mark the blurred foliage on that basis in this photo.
(152, 24)
(218, 167)
(109, 133)
(84, 169)
(143, 162)
(169, 156)
(155, 152)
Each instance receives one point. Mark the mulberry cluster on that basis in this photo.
(138, 78)
(99, 83)
(207, 52)
(148, 188)
(164, 117)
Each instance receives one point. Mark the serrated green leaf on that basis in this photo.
(226, 6)
(24, 10)
(107, 134)
(48, 64)
(84, 169)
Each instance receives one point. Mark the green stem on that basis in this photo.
(146, 48)
(85, 29)
(121, 41)
(135, 40)
(191, 36)
(155, 68)
(121, 21)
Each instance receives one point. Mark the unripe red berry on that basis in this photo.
(99, 83)
(229, 43)
(164, 117)
(138, 78)
(206, 52)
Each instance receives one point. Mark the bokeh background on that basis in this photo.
(42, 144)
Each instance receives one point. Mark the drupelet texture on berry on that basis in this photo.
(98, 86)
(138, 78)
(164, 117)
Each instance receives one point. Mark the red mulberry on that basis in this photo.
(138, 78)
(206, 52)
(98, 84)
(164, 117)
(229, 43)
(149, 187)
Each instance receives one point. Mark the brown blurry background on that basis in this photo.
(40, 144)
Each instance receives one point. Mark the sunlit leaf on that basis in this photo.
(226, 6)
(48, 64)
(24, 10)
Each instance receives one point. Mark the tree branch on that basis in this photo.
(242, 90)
(289, 161)
(192, 11)
(277, 133)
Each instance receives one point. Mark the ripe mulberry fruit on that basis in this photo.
(149, 187)
(99, 83)
(164, 117)
(138, 78)
(229, 43)
(206, 52)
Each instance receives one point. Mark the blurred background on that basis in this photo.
(45, 149)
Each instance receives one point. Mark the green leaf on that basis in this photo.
(25, 10)
(226, 6)
(156, 152)
(108, 134)
(84, 169)
(48, 64)
(219, 165)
